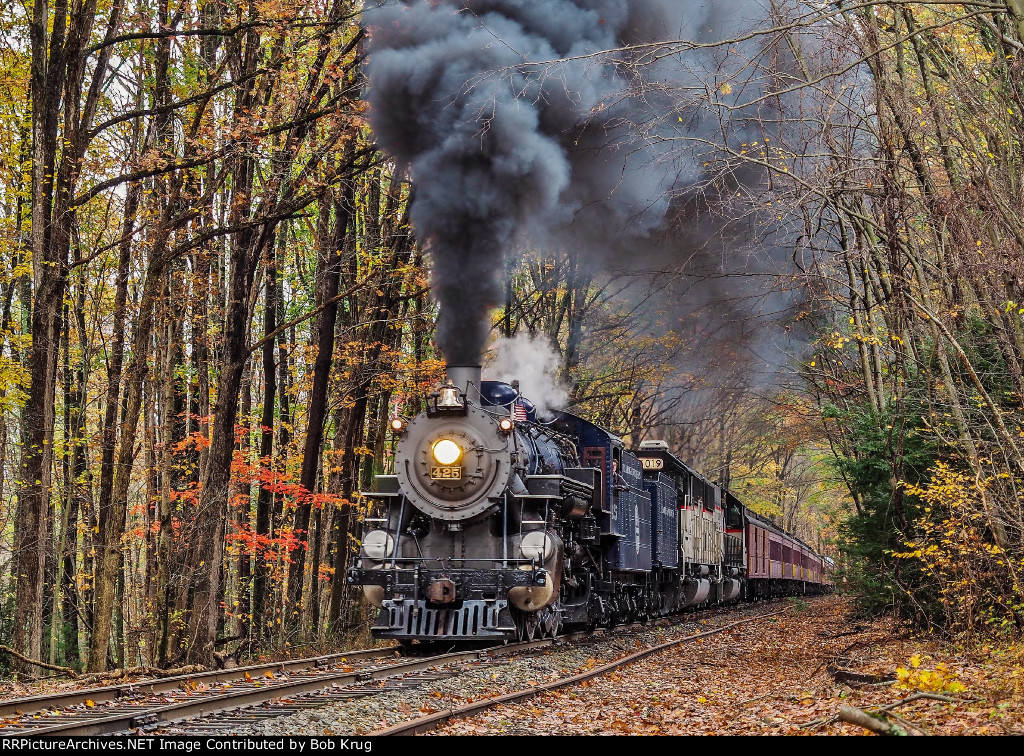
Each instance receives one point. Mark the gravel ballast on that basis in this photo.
(472, 682)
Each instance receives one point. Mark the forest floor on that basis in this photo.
(790, 674)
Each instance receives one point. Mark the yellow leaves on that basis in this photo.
(14, 379)
(725, 89)
(941, 679)
(954, 544)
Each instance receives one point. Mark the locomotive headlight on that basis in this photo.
(505, 424)
(446, 452)
(397, 425)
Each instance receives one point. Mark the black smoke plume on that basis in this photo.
(519, 126)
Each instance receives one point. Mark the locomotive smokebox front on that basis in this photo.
(455, 461)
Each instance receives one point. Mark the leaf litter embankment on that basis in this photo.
(790, 674)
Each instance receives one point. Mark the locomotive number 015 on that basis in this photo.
(446, 473)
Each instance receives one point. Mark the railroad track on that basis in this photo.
(437, 719)
(400, 676)
(220, 701)
(98, 710)
(154, 704)
(16, 707)
(229, 722)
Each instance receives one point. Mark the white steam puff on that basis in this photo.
(533, 361)
(589, 152)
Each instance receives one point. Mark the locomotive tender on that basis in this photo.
(496, 526)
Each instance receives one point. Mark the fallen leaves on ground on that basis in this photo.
(782, 676)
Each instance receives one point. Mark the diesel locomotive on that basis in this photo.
(497, 526)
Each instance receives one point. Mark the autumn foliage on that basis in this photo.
(973, 578)
(212, 301)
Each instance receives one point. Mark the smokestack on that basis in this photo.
(467, 378)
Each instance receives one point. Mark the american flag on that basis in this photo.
(519, 411)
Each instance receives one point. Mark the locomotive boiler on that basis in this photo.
(495, 526)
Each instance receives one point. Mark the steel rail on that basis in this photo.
(139, 714)
(435, 720)
(14, 707)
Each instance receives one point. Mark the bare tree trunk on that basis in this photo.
(264, 502)
(332, 244)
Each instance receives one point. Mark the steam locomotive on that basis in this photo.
(496, 526)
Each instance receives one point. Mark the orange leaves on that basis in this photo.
(196, 440)
(260, 473)
(187, 496)
(325, 573)
(271, 548)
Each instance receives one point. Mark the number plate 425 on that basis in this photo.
(446, 473)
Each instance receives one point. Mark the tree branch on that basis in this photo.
(56, 668)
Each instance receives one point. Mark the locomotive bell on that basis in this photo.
(450, 397)
(533, 598)
(546, 548)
